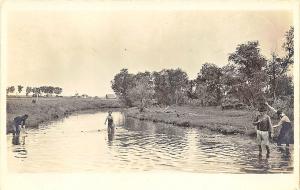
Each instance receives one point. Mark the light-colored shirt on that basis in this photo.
(282, 120)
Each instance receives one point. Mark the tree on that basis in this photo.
(230, 80)
(209, 81)
(50, 90)
(274, 71)
(250, 65)
(144, 77)
(142, 91)
(121, 85)
(280, 82)
(170, 86)
(36, 92)
(201, 91)
(178, 81)
(10, 89)
(43, 89)
(288, 46)
(161, 87)
(141, 94)
(20, 87)
(248, 59)
(57, 90)
(28, 90)
(285, 86)
(191, 91)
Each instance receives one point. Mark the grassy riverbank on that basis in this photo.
(47, 109)
(213, 118)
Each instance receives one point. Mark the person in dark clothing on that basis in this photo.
(18, 123)
(263, 130)
(284, 126)
(110, 122)
(16, 140)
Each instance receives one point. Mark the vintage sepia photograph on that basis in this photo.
(206, 91)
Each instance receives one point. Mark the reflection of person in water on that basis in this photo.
(16, 140)
(110, 122)
(111, 135)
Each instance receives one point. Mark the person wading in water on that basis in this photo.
(263, 130)
(18, 123)
(110, 122)
(286, 133)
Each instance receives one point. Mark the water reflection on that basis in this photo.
(19, 148)
(83, 143)
(17, 140)
(110, 135)
(263, 164)
(285, 153)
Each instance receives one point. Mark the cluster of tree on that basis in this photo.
(77, 95)
(247, 76)
(12, 89)
(36, 91)
(132, 88)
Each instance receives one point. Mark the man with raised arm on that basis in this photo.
(285, 135)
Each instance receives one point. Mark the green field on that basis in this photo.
(47, 109)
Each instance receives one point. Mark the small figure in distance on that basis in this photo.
(110, 122)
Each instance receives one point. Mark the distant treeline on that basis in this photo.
(35, 91)
(246, 78)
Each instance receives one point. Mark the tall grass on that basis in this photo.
(46, 109)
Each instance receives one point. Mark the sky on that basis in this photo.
(82, 50)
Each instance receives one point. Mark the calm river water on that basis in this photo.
(81, 143)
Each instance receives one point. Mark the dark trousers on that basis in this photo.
(16, 129)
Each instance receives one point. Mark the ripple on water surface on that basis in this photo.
(81, 143)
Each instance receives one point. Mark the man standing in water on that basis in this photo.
(110, 122)
(263, 130)
(18, 123)
(286, 133)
